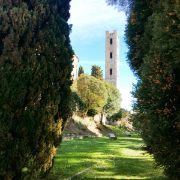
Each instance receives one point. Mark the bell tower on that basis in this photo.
(112, 58)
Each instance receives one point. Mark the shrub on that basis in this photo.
(117, 116)
(92, 112)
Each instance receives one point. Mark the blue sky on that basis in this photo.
(90, 19)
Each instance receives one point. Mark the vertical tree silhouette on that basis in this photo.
(35, 71)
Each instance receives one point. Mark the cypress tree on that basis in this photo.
(96, 71)
(154, 42)
(35, 60)
(155, 57)
(80, 71)
(137, 42)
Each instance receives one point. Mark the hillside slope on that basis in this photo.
(87, 126)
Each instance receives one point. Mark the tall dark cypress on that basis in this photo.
(35, 70)
(154, 45)
(137, 42)
(154, 56)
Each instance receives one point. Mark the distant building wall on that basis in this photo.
(112, 58)
(75, 61)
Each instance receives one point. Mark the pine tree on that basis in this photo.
(35, 60)
(80, 71)
(96, 71)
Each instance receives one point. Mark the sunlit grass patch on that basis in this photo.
(103, 158)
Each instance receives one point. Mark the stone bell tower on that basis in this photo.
(112, 58)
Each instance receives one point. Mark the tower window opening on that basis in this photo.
(111, 55)
(111, 41)
(110, 71)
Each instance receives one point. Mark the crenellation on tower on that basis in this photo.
(112, 58)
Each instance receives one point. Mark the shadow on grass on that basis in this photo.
(105, 156)
(130, 140)
(132, 167)
(127, 168)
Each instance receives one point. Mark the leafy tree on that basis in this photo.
(35, 59)
(92, 91)
(96, 71)
(81, 70)
(113, 101)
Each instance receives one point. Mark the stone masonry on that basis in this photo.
(112, 58)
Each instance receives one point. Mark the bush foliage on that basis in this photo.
(154, 56)
(153, 38)
(35, 59)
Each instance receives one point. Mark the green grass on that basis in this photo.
(104, 159)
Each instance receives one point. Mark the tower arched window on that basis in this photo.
(110, 71)
(111, 40)
(111, 55)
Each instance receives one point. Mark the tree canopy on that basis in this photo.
(92, 91)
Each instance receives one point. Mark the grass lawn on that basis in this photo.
(104, 159)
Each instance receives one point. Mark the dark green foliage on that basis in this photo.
(157, 109)
(35, 60)
(76, 103)
(80, 71)
(117, 116)
(92, 112)
(96, 71)
(154, 55)
(136, 40)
